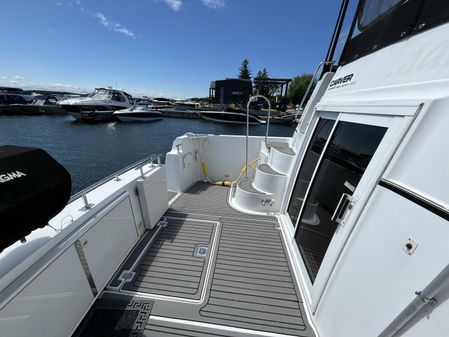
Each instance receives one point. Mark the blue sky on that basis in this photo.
(159, 47)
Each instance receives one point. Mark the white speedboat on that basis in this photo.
(139, 113)
(340, 230)
(98, 106)
(229, 117)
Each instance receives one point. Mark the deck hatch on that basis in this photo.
(176, 264)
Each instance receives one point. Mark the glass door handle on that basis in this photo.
(346, 202)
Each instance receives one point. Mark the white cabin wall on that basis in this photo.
(411, 69)
(423, 164)
(375, 279)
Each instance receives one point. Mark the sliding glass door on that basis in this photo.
(337, 172)
(316, 146)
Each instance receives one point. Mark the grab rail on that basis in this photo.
(301, 105)
(137, 166)
(247, 126)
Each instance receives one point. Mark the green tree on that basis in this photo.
(245, 71)
(298, 88)
(263, 88)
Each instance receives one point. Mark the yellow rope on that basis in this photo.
(227, 183)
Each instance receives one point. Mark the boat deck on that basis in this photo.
(208, 271)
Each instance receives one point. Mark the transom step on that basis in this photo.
(247, 186)
(281, 147)
(268, 169)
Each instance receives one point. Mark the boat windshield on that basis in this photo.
(102, 94)
(140, 107)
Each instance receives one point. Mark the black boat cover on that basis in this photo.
(33, 188)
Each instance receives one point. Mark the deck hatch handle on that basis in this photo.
(346, 202)
(201, 251)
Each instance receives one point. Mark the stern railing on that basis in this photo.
(116, 176)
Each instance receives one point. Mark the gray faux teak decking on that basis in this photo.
(242, 283)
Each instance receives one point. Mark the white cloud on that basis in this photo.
(111, 25)
(56, 86)
(214, 4)
(20, 81)
(174, 4)
(114, 26)
(58, 3)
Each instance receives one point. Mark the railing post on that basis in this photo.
(247, 136)
(268, 119)
(301, 105)
(247, 126)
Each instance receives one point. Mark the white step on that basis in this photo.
(269, 180)
(281, 156)
(246, 198)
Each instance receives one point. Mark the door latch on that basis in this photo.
(346, 203)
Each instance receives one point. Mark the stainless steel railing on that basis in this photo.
(252, 98)
(116, 176)
(312, 80)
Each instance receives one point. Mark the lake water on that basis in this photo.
(91, 152)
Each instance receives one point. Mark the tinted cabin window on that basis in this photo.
(118, 98)
(345, 160)
(373, 9)
(319, 139)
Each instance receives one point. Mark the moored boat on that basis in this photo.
(41, 104)
(138, 113)
(98, 106)
(10, 96)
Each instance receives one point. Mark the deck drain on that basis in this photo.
(201, 251)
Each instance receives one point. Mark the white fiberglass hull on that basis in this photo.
(138, 116)
(138, 119)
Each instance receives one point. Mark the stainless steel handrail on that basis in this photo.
(137, 165)
(247, 126)
(301, 105)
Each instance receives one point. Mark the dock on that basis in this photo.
(192, 114)
(179, 114)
